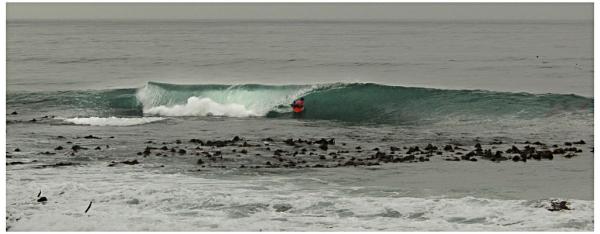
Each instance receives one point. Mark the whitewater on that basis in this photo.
(187, 126)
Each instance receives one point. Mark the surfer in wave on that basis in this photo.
(298, 105)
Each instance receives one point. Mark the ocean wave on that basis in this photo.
(345, 102)
(356, 102)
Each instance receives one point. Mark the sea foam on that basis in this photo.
(196, 106)
(113, 121)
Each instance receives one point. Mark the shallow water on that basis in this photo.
(181, 195)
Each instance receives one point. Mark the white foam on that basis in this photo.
(113, 121)
(196, 106)
(125, 199)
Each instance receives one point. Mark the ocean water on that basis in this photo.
(134, 87)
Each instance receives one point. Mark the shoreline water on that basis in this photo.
(135, 185)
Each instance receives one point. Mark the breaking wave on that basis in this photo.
(354, 102)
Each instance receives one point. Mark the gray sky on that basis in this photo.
(305, 11)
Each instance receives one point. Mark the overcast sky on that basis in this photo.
(305, 11)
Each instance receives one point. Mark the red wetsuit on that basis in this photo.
(298, 106)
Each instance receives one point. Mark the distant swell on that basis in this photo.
(354, 102)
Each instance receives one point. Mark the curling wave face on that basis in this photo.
(354, 102)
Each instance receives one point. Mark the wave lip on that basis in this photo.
(113, 121)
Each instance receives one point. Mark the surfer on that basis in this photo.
(298, 105)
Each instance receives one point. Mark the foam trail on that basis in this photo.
(113, 121)
(196, 106)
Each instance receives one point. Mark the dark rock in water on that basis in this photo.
(200, 162)
(173, 150)
(139, 153)
(546, 154)
(59, 148)
(323, 146)
(268, 163)
(164, 148)
(69, 142)
(392, 148)
(244, 151)
(537, 143)
(318, 166)
(513, 150)
(389, 213)
(14, 113)
(408, 158)
(357, 147)
(322, 157)
(570, 155)
(423, 159)
(580, 142)
(282, 207)
(14, 163)
(91, 137)
(182, 151)
(47, 153)
(267, 139)
(448, 148)
(197, 141)
(473, 159)
(558, 205)
(77, 148)
(236, 138)
(289, 142)
(477, 146)
(413, 150)
(149, 142)
(33, 120)
(487, 153)
(132, 162)
(60, 164)
(430, 148)
(17, 150)
(42, 199)
(178, 142)
(559, 151)
(516, 158)
(324, 141)
(568, 143)
(98, 148)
